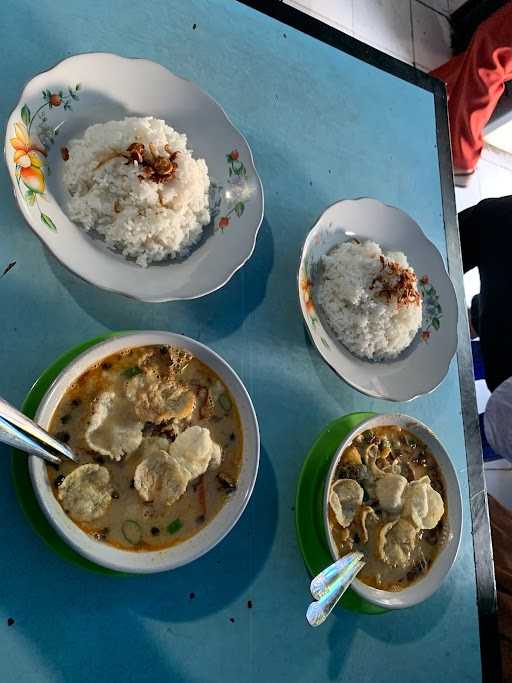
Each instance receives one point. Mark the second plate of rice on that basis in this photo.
(377, 300)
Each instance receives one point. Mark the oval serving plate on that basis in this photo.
(61, 103)
(422, 366)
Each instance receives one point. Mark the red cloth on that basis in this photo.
(475, 81)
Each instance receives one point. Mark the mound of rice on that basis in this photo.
(140, 218)
(370, 299)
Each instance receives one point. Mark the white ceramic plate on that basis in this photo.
(214, 532)
(61, 103)
(421, 367)
(425, 587)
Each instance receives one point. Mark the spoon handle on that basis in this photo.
(322, 583)
(29, 436)
(13, 437)
(318, 611)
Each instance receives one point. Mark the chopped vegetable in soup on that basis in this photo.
(388, 501)
(160, 446)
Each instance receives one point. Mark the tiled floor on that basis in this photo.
(418, 32)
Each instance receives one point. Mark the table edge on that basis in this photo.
(482, 542)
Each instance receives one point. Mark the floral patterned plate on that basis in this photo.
(61, 103)
(421, 367)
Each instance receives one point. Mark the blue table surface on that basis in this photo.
(322, 126)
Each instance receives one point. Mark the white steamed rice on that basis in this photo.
(141, 227)
(366, 323)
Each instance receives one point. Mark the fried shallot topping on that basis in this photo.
(396, 283)
(156, 167)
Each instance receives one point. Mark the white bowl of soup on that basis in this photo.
(168, 442)
(392, 493)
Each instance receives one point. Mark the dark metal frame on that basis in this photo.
(484, 567)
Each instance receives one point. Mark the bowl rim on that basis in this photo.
(90, 280)
(389, 599)
(401, 399)
(81, 542)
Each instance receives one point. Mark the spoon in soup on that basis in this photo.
(21, 432)
(329, 586)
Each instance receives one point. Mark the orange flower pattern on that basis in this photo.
(31, 150)
(29, 156)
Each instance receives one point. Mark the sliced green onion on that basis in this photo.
(131, 372)
(225, 402)
(174, 526)
(132, 531)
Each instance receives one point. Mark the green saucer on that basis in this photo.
(309, 517)
(21, 476)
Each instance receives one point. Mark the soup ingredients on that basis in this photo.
(163, 475)
(345, 498)
(388, 503)
(162, 469)
(160, 479)
(423, 504)
(159, 399)
(365, 513)
(226, 482)
(136, 183)
(113, 428)
(174, 526)
(397, 540)
(194, 450)
(389, 489)
(156, 390)
(370, 298)
(132, 531)
(86, 493)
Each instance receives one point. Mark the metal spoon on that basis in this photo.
(21, 432)
(329, 586)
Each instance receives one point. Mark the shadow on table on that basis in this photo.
(221, 577)
(74, 620)
(214, 316)
(388, 628)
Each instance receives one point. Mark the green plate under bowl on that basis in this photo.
(309, 514)
(20, 473)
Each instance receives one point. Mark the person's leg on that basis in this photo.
(475, 81)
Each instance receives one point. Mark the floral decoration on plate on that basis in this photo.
(32, 137)
(236, 192)
(432, 309)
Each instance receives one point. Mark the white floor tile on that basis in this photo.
(471, 285)
(500, 464)
(439, 5)
(469, 195)
(431, 32)
(499, 485)
(497, 156)
(337, 13)
(385, 24)
(495, 181)
(482, 395)
(455, 4)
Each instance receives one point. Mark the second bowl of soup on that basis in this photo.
(392, 493)
(169, 448)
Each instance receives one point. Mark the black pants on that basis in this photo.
(486, 243)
